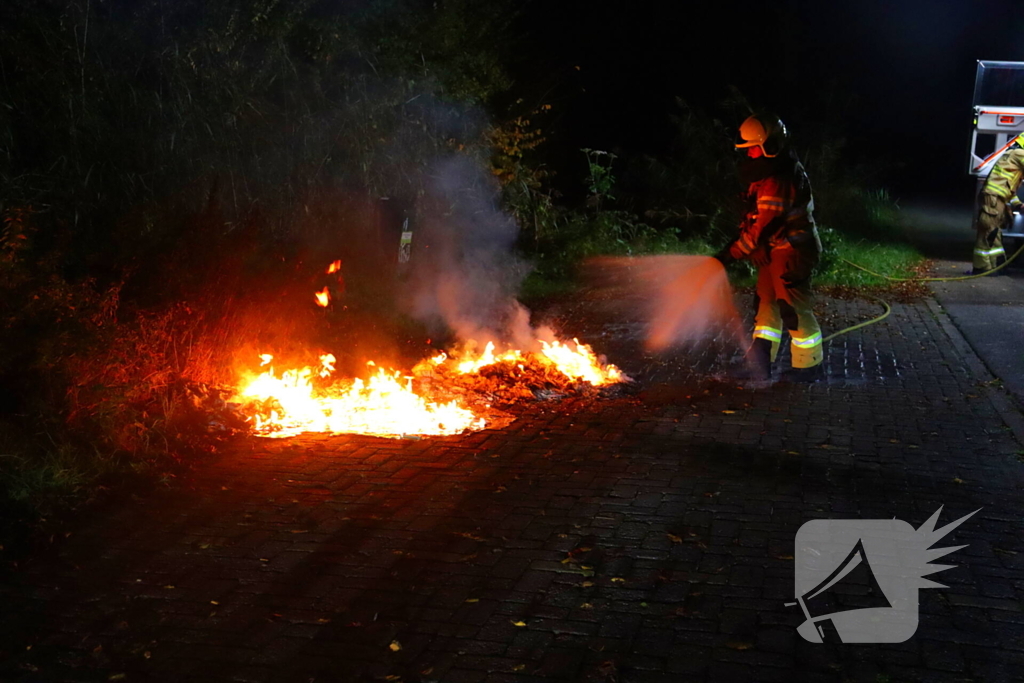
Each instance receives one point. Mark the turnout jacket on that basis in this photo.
(1005, 177)
(780, 207)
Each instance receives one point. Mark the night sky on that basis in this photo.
(896, 77)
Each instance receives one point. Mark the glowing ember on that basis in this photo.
(385, 405)
(323, 297)
(334, 267)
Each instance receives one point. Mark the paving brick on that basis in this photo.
(322, 551)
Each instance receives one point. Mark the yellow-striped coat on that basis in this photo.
(1006, 175)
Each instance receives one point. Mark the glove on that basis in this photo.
(760, 257)
(725, 257)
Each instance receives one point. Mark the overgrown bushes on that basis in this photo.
(174, 177)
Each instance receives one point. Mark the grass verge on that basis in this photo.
(896, 259)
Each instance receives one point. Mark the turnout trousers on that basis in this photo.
(988, 248)
(784, 302)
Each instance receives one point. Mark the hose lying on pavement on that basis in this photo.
(886, 306)
(879, 319)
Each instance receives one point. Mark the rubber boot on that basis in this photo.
(805, 375)
(759, 361)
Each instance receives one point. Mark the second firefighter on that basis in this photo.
(995, 203)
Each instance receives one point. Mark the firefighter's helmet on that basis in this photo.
(765, 131)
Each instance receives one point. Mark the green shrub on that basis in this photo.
(888, 257)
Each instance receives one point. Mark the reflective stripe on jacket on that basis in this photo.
(1005, 177)
(781, 208)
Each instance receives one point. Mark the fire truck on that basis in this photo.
(998, 118)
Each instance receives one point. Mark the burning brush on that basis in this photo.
(511, 376)
(434, 400)
(447, 394)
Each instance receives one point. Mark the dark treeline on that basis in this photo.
(114, 111)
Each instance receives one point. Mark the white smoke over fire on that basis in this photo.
(464, 269)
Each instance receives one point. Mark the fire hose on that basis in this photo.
(851, 328)
(885, 304)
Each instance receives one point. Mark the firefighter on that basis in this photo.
(998, 198)
(779, 237)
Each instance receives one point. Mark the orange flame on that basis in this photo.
(303, 400)
(384, 405)
(334, 267)
(327, 364)
(488, 358)
(323, 297)
(574, 360)
(581, 363)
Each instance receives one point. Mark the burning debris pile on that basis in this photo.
(444, 395)
(556, 369)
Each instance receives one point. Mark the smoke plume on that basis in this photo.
(464, 271)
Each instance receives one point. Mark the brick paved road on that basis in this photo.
(647, 537)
